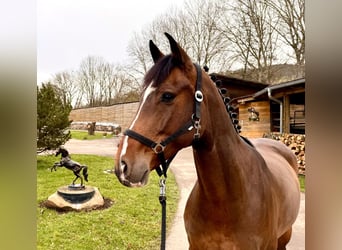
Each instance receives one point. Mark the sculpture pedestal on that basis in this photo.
(75, 197)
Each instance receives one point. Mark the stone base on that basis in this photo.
(67, 198)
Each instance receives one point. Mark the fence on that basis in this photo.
(121, 114)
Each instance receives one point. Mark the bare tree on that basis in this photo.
(123, 84)
(138, 48)
(109, 83)
(97, 81)
(251, 28)
(139, 54)
(101, 75)
(194, 27)
(87, 78)
(292, 25)
(204, 36)
(175, 22)
(68, 87)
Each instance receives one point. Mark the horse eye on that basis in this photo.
(167, 97)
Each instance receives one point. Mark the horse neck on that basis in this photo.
(65, 154)
(222, 156)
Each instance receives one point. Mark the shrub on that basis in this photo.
(52, 118)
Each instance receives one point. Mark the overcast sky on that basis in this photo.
(70, 30)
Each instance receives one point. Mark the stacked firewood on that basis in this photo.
(296, 143)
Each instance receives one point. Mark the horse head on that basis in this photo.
(166, 105)
(62, 150)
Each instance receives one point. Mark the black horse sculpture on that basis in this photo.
(70, 164)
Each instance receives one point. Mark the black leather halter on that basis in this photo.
(194, 122)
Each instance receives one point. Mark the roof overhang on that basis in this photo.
(290, 87)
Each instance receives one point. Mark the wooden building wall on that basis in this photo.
(254, 129)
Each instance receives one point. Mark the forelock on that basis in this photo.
(160, 71)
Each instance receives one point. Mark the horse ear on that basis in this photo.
(155, 52)
(178, 52)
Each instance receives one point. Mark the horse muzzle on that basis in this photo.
(132, 175)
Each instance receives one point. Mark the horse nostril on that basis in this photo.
(124, 167)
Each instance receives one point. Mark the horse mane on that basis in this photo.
(161, 70)
(247, 141)
(63, 151)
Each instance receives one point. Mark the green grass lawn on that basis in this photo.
(132, 222)
(302, 182)
(83, 135)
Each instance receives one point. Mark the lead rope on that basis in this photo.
(162, 200)
(162, 194)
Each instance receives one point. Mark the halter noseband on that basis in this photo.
(159, 147)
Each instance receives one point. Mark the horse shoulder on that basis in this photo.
(282, 164)
(209, 226)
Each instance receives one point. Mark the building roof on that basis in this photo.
(239, 87)
(295, 86)
(289, 86)
(239, 81)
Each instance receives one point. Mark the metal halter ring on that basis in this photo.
(158, 148)
(197, 126)
(199, 96)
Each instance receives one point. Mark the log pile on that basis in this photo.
(296, 143)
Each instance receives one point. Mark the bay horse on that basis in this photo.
(74, 166)
(246, 195)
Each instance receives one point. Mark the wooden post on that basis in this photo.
(286, 114)
(91, 128)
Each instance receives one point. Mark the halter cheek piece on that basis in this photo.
(194, 122)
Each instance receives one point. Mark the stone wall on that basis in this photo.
(121, 114)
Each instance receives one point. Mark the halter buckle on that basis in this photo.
(158, 148)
